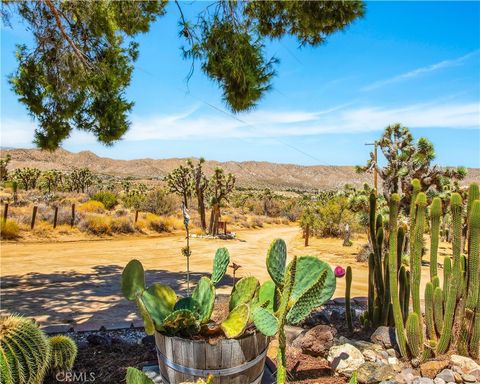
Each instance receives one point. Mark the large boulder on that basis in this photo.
(385, 336)
(318, 340)
(345, 359)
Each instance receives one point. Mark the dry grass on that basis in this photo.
(92, 206)
(163, 223)
(122, 225)
(96, 224)
(9, 229)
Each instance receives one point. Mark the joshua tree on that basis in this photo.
(52, 179)
(180, 181)
(200, 182)
(81, 179)
(28, 177)
(221, 185)
(3, 167)
(408, 159)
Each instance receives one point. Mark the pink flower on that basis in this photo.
(339, 271)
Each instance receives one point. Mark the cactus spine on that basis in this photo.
(63, 351)
(435, 213)
(348, 308)
(24, 351)
(456, 208)
(393, 259)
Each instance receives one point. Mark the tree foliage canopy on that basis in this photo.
(75, 74)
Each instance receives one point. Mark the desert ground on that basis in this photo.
(78, 282)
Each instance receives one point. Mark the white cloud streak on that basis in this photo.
(195, 125)
(421, 71)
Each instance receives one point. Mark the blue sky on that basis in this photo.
(417, 63)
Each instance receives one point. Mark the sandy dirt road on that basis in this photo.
(78, 282)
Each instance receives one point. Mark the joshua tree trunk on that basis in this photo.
(214, 217)
(201, 210)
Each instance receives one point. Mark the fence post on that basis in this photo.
(5, 212)
(55, 214)
(34, 215)
(73, 216)
(136, 215)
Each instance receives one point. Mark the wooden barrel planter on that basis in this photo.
(233, 361)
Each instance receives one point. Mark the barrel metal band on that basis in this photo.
(205, 372)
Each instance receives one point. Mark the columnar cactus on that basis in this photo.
(429, 316)
(414, 334)
(63, 353)
(435, 213)
(348, 308)
(438, 309)
(304, 285)
(24, 351)
(416, 257)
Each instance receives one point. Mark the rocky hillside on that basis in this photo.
(251, 174)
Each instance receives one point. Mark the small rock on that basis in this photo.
(458, 377)
(318, 340)
(100, 340)
(438, 380)
(384, 336)
(432, 368)
(370, 373)
(406, 376)
(447, 375)
(345, 359)
(476, 373)
(337, 316)
(369, 355)
(383, 354)
(392, 361)
(464, 363)
(469, 378)
(423, 380)
(392, 352)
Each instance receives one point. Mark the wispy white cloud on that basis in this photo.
(421, 71)
(196, 125)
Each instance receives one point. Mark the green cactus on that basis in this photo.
(435, 282)
(403, 295)
(416, 257)
(416, 188)
(475, 339)
(266, 295)
(445, 337)
(236, 322)
(182, 321)
(393, 259)
(204, 295)
(24, 351)
(400, 245)
(447, 271)
(473, 194)
(348, 308)
(429, 316)
(220, 265)
(435, 213)
(63, 353)
(438, 309)
(307, 284)
(243, 291)
(190, 304)
(371, 287)
(414, 334)
(276, 261)
(133, 280)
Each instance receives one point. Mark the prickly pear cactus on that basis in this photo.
(133, 280)
(265, 321)
(243, 291)
(204, 295)
(135, 376)
(236, 322)
(181, 322)
(276, 261)
(220, 265)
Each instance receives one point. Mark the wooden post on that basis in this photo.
(307, 234)
(224, 227)
(5, 212)
(136, 215)
(73, 216)
(34, 216)
(55, 214)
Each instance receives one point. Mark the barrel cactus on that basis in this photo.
(63, 353)
(162, 311)
(24, 351)
(301, 286)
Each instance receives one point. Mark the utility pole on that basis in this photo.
(375, 159)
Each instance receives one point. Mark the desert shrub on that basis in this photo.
(255, 222)
(364, 253)
(122, 225)
(96, 224)
(9, 229)
(108, 198)
(92, 206)
(121, 212)
(160, 202)
(163, 223)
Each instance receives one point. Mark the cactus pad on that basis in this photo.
(135, 376)
(182, 321)
(133, 280)
(204, 295)
(266, 295)
(236, 322)
(308, 271)
(311, 299)
(265, 321)
(243, 291)
(220, 265)
(159, 300)
(147, 319)
(188, 303)
(276, 261)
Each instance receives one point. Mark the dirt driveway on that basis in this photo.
(78, 282)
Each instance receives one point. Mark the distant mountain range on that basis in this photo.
(249, 174)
